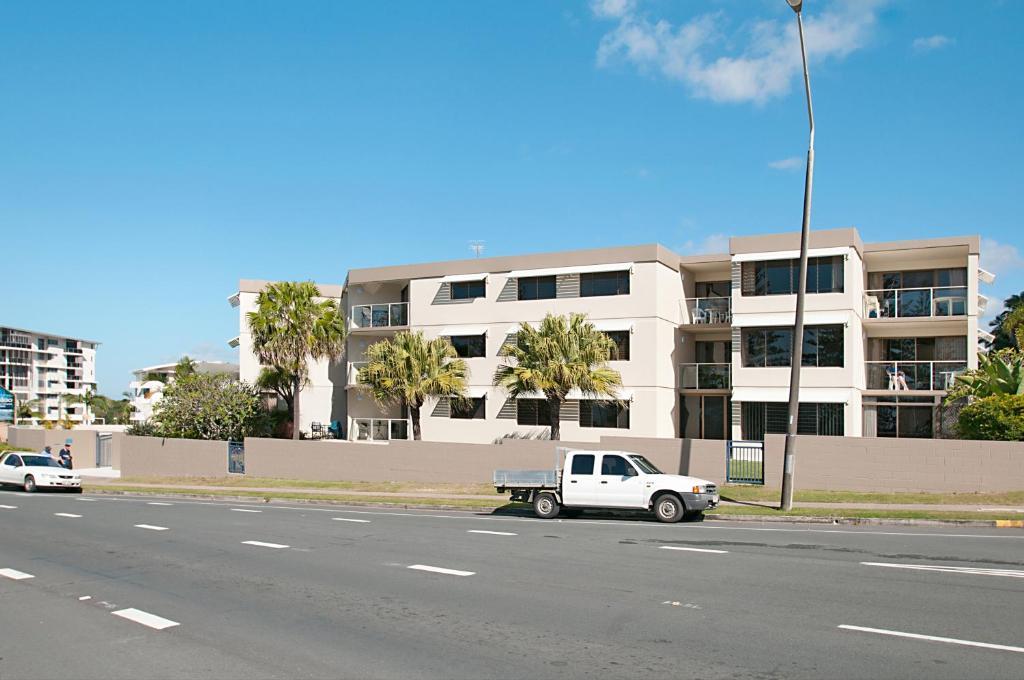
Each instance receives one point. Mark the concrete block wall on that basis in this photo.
(159, 457)
(83, 442)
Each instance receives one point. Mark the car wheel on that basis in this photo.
(30, 484)
(668, 508)
(545, 505)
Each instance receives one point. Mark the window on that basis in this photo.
(823, 346)
(761, 418)
(537, 288)
(616, 466)
(468, 290)
(469, 346)
(705, 289)
(779, 277)
(604, 283)
(533, 412)
(583, 464)
(620, 352)
(909, 418)
(645, 465)
(468, 409)
(12, 460)
(597, 413)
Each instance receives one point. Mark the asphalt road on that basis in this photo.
(85, 592)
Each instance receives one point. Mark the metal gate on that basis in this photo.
(104, 442)
(744, 462)
(236, 458)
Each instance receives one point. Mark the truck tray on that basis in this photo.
(526, 479)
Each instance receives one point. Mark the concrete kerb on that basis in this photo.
(491, 509)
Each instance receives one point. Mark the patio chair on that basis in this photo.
(701, 315)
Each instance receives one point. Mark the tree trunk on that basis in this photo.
(555, 406)
(414, 411)
(296, 388)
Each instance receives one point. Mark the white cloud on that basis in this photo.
(791, 163)
(933, 42)
(697, 54)
(1000, 258)
(712, 243)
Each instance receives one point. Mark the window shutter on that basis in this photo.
(748, 277)
(508, 410)
(443, 408)
(510, 292)
(567, 285)
(443, 295)
(584, 415)
(570, 411)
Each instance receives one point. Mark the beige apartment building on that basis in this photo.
(47, 369)
(703, 341)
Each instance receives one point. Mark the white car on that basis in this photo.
(33, 471)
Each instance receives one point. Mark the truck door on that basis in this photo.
(579, 483)
(621, 486)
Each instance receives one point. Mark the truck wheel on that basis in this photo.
(668, 508)
(545, 506)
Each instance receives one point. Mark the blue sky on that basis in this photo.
(156, 152)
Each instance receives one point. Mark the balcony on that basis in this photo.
(897, 376)
(380, 429)
(379, 316)
(705, 376)
(353, 372)
(916, 303)
(707, 312)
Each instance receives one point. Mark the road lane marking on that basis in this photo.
(83, 598)
(261, 544)
(151, 527)
(492, 533)
(14, 574)
(350, 519)
(440, 570)
(977, 571)
(244, 510)
(8, 507)
(700, 550)
(857, 532)
(934, 638)
(145, 618)
(65, 514)
(156, 503)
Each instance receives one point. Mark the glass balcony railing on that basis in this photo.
(707, 310)
(705, 376)
(913, 375)
(382, 315)
(381, 429)
(898, 303)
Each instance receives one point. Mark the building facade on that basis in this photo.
(148, 387)
(47, 369)
(703, 343)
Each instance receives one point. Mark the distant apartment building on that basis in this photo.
(47, 368)
(703, 342)
(148, 387)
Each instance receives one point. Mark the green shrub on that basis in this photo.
(999, 418)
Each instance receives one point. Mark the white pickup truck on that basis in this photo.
(609, 480)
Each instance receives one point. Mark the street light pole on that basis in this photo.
(789, 457)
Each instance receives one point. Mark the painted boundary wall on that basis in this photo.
(83, 442)
(159, 457)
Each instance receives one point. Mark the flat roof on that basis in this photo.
(329, 290)
(48, 335)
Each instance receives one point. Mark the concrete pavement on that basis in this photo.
(280, 590)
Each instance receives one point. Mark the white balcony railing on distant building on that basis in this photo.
(380, 429)
(699, 376)
(707, 310)
(899, 303)
(913, 375)
(382, 315)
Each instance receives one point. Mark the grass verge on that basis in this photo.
(759, 493)
(864, 514)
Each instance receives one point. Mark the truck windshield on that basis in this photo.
(645, 465)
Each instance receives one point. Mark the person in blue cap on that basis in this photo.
(65, 454)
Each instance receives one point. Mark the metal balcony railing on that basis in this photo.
(898, 303)
(707, 310)
(705, 376)
(380, 429)
(382, 315)
(913, 375)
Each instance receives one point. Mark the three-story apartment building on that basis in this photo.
(46, 369)
(703, 342)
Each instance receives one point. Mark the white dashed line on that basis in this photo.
(933, 638)
(14, 574)
(261, 544)
(65, 514)
(86, 500)
(145, 618)
(8, 507)
(977, 571)
(83, 598)
(700, 550)
(350, 519)
(440, 570)
(244, 510)
(156, 503)
(151, 527)
(492, 533)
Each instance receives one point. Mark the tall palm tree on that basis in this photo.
(564, 354)
(292, 327)
(29, 408)
(1013, 325)
(87, 400)
(1004, 337)
(409, 368)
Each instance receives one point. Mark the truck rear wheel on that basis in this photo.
(668, 508)
(545, 505)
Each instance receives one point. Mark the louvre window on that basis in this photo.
(761, 418)
(604, 283)
(537, 288)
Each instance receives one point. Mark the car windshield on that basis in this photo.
(645, 465)
(40, 461)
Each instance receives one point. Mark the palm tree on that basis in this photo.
(292, 327)
(279, 382)
(28, 409)
(86, 400)
(1013, 325)
(563, 354)
(409, 368)
(1004, 337)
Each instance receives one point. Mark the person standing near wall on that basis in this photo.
(65, 455)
